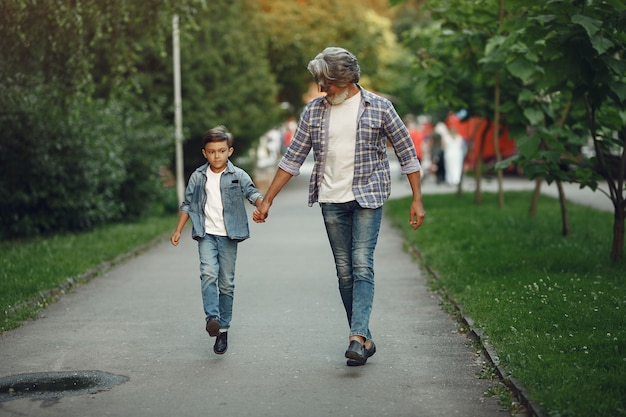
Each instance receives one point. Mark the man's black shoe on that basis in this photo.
(221, 343)
(368, 353)
(356, 352)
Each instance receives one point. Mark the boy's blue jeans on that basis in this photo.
(218, 255)
(353, 233)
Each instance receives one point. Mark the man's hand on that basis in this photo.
(416, 214)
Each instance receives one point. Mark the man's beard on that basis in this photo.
(339, 98)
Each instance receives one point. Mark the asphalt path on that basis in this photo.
(143, 320)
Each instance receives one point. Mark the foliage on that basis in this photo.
(570, 57)
(86, 97)
(76, 167)
(226, 76)
(298, 30)
(559, 68)
(550, 306)
(448, 53)
(76, 45)
(95, 79)
(567, 55)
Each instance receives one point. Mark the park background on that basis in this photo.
(87, 113)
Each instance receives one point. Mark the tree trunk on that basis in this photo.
(535, 199)
(565, 230)
(619, 204)
(478, 198)
(496, 121)
(617, 248)
(615, 182)
(496, 138)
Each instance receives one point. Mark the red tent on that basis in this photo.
(477, 129)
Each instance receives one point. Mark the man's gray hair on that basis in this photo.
(335, 65)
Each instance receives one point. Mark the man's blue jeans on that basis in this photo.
(218, 255)
(353, 233)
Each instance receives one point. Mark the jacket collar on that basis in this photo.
(230, 168)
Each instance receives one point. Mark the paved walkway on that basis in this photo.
(143, 320)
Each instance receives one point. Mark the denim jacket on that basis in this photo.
(235, 184)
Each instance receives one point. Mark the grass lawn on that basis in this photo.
(31, 268)
(552, 307)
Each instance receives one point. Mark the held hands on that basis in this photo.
(416, 214)
(261, 212)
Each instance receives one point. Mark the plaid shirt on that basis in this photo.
(377, 124)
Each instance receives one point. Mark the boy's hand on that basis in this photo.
(261, 212)
(175, 238)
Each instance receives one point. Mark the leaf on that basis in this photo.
(534, 116)
(493, 43)
(528, 146)
(525, 96)
(552, 156)
(535, 170)
(507, 162)
(601, 44)
(591, 26)
(522, 69)
(616, 65)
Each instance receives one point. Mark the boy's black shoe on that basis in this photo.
(221, 343)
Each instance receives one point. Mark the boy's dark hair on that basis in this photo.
(217, 134)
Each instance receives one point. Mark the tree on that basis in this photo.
(226, 76)
(460, 68)
(570, 57)
(565, 76)
(298, 30)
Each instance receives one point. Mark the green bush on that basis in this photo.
(73, 163)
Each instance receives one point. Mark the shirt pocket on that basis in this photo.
(370, 131)
(372, 137)
(232, 192)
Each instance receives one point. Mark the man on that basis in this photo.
(348, 131)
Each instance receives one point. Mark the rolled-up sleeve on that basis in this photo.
(401, 142)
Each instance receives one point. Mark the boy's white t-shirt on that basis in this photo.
(339, 170)
(214, 209)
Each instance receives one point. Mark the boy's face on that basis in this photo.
(217, 153)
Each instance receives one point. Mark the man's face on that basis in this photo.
(334, 94)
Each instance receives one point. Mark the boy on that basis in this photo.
(214, 202)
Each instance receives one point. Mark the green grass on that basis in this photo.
(553, 307)
(31, 268)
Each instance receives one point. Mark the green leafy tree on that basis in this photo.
(70, 137)
(570, 58)
(556, 70)
(458, 68)
(298, 30)
(226, 77)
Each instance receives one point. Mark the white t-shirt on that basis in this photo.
(214, 209)
(339, 170)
